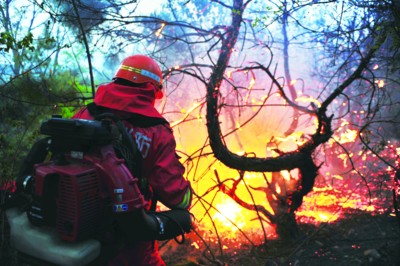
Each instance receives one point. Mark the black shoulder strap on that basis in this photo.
(131, 152)
(128, 149)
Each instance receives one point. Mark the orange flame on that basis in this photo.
(158, 32)
(220, 214)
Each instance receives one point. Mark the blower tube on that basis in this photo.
(146, 226)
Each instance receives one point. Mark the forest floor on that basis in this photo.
(358, 239)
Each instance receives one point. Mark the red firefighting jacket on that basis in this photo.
(160, 166)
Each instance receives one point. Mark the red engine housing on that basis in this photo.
(85, 189)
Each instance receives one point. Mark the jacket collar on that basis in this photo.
(137, 100)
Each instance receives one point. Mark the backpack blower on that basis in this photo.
(78, 187)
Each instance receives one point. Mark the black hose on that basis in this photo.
(146, 226)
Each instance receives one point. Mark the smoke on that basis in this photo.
(88, 13)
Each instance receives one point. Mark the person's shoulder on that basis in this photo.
(167, 127)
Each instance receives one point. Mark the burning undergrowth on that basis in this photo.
(238, 210)
(358, 238)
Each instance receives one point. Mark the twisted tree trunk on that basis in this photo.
(300, 159)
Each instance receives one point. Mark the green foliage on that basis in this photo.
(67, 112)
(30, 99)
(236, 11)
(26, 42)
(7, 40)
(38, 89)
(263, 20)
(15, 138)
(11, 43)
(18, 127)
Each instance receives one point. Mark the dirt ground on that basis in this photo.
(359, 239)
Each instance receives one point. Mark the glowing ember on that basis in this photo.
(297, 138)
(381, 83)
(252, 82)
(327, 205)
(306, 99)
(158, 33)
(195, 245)
(345, 137)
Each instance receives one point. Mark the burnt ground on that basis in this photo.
(358, 239)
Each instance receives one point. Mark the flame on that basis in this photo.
(308, 99)
(286, 175)
(158, 32)
(347, 136)
(252, 82)
(195, 245)
(381, 83)
(295, 137)
(339, 177)
(221, 217)
(186, 114)
(229, 211)
(278, 189)
(327, 205)
(238, 126)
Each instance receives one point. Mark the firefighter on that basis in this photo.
(131, 96)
